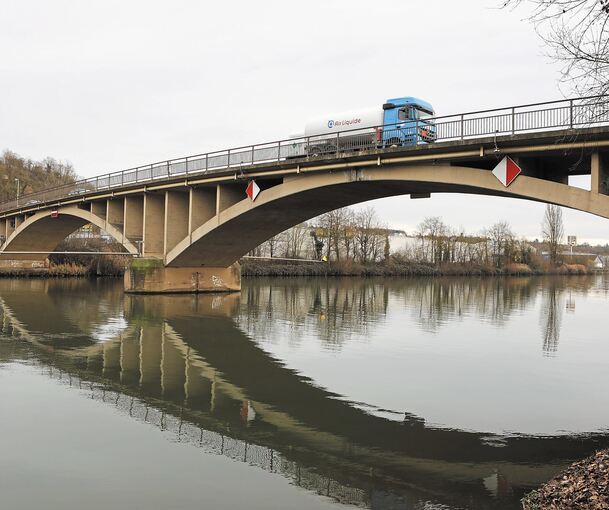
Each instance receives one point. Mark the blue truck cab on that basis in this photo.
(407, 121)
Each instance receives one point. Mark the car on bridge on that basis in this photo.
(78, 191)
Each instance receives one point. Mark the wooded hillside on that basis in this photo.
(32, 175)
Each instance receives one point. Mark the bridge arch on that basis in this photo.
(42, 233)
(235, 231)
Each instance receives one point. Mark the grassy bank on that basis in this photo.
(253, 268)
(114, 265)
(68, 270)
(80, 266)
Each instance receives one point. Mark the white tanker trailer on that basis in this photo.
(346, 121)
(399, 122)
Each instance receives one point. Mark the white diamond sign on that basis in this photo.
(506, 171)
(252, 190)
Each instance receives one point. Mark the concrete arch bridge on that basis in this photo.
(189, 221)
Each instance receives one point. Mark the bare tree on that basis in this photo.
(369, 235)
(553, 230)
(272, 246)
(576, 33)
(333, 224)
(521, 252)
(434, 231)
(347, 233)
(295, 239)
(502, 242)
(256, 252)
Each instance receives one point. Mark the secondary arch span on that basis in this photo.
(42, 232)
(240, 228)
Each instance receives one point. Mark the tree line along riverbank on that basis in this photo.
(251, 267)
(114, 265)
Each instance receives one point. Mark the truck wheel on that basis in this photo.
(393, 142)
(314, 151)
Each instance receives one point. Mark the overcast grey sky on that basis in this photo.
(113, 84)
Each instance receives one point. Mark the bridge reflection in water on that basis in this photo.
(188, 365)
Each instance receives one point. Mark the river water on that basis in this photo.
(299, 393)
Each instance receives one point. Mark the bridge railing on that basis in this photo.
(547, 116)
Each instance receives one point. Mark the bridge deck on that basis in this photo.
(481, 152)
(523, 123)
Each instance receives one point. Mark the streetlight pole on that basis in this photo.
(17, 181)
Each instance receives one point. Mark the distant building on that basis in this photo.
(601, 262)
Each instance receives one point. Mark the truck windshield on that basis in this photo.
(413, 113)
(421, 114)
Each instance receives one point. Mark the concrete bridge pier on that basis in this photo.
(149, 275)
(164, 219)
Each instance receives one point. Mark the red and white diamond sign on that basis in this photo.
(252, 190)
(506, 171)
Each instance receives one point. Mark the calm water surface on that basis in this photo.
(297, 394)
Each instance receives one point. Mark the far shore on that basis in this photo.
(288, 268)
(285, 268)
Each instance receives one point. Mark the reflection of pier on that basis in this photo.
(183, 364)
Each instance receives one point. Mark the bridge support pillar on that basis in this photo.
(599, 174)
(150, 276)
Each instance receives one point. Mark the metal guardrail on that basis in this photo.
(547, 116)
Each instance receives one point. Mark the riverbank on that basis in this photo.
(268, 267)
(64, 270)
(52, 271)
(584, 486)
(251, 268)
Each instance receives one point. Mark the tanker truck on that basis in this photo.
(398, 122)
